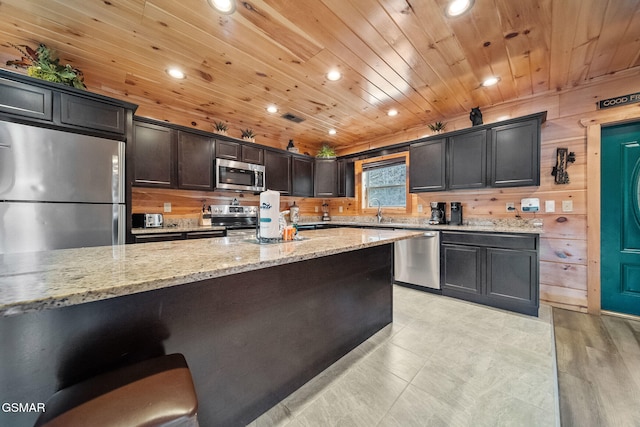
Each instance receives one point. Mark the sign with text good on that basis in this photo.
(620, 100)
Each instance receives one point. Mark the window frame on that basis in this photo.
(362, 194)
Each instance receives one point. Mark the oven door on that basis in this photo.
(239, 176)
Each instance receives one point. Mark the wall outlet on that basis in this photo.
(339, 208)
(510, 207)
(567, 206)
(167, 207)
(419, 208)
(549, 205)
(315, 209)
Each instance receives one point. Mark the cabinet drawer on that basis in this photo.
(25, 100)
(205, 234)
(165, 237)
(496, 240)
(90, 114)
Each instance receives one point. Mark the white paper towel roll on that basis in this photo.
(269, 210)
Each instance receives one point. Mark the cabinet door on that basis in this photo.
(427, 167)
(346, 179)
(326, 178)
(153, 156)
(91, 114)
(462, 269)
(515, 154)
(25, 100)
(228, 150)
(195, 161)
(512, 276)
(277, 171)
(302, 183)
(251, 154)
(466, 167)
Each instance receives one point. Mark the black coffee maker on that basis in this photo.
(438, 213)
(456, 213)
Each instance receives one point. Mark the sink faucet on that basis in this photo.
(379, 214)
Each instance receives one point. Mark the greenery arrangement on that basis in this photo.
(326, 151)
(220, 127)
(248, 134)
(42, 64)
(437, 126)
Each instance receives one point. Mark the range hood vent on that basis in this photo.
(292, 118)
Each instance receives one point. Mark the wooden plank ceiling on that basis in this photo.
(393, 54)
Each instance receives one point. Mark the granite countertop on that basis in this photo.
(44, 280)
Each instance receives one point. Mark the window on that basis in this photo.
(385, 181)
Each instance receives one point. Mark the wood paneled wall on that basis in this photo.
(563, 255)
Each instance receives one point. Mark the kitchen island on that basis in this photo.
(254, 321)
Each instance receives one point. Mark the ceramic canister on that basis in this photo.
(269, 211)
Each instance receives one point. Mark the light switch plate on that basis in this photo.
(339, 208)
(419, 208)
(167, 207)
(549, 205)
(567, 206)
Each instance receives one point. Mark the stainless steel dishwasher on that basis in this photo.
(417, 260)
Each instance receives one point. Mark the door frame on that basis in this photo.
(593, 123)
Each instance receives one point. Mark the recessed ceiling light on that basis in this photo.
(176, 73)
(332, 132)
(458, 7)
(334, 75)
(226, 7)
(392, 112)
(272, 109)
(490, 81)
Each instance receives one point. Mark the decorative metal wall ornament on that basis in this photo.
(563, 158)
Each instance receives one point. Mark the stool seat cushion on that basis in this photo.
(150, 393)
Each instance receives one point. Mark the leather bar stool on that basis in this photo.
(155, 392)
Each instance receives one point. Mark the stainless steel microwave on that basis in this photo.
(239, 176)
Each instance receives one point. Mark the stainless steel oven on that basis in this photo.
(239, 176)
(238, 220)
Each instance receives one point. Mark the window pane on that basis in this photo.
(388, 185)
(388, 196)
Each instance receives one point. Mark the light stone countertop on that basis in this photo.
(44, 280)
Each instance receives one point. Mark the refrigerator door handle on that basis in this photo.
(119, 224)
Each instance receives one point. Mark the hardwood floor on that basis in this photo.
(598, 369)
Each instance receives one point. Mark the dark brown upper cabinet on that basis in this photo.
(195, 161)
(515, 154)
(467, 160)
(277, 173)
(326, 178)
(427, 167)
(302, 176)
(239, 152)
(154, 155)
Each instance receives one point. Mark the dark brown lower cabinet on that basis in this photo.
(166, 237)
(500, 270)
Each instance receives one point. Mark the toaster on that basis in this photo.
(146, 220)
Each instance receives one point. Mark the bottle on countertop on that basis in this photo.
(294, 213)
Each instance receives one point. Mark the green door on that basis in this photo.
(620, 223)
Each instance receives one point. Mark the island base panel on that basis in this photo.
(250, 339)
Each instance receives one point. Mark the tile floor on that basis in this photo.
(442, 362)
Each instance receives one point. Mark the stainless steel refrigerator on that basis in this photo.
(59, 190)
